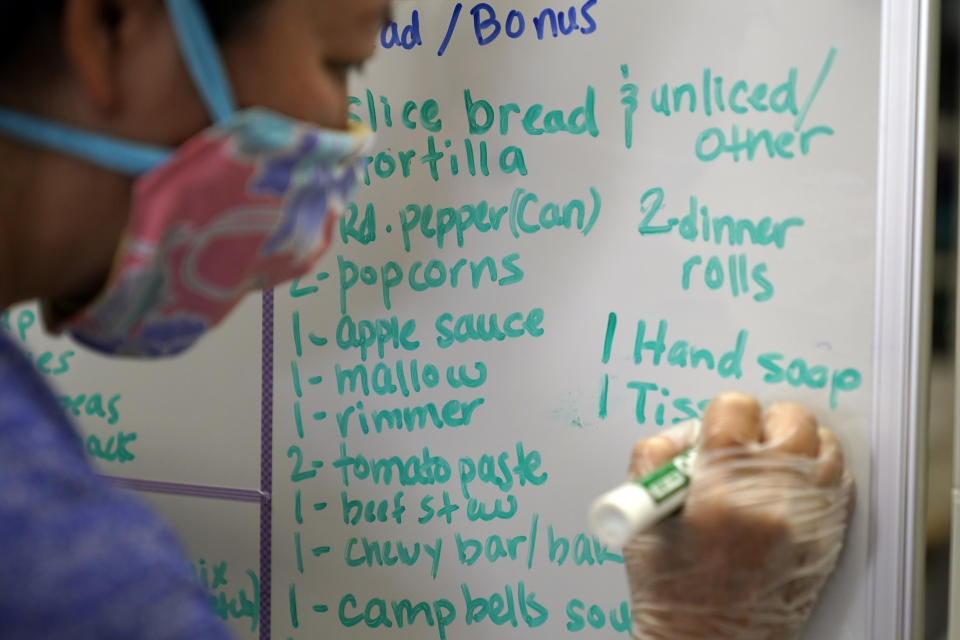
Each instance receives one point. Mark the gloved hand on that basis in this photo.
(761, 531)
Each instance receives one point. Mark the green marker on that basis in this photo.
(637, 505)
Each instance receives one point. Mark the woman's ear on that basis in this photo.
(90, 32)
(96, 34)
(125, 73)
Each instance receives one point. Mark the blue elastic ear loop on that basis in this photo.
(202, 56)
(125, 157)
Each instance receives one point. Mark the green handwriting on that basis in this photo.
(526, 215)
(580, 617)
(476, 511)
(411, 115)
(714, 143)
(93, 406)
(800, 373)
(471, 156)
(383, 333)
(496, 547)
(734, 271)
(581, 550)
(682, 408)
(377, 613)
(452, 414)
(363, 552)
(47, 363)
(503, 470)
(684, 354)
(423, 276)
(407, 377)
(371, 511)
(714, 95)
(508, 608)
(482, 116)
(114, 449)
(228, 604)
(482, 327)
(699, 225)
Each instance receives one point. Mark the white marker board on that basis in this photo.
(657, 204)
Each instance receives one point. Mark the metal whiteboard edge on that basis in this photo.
(901, 335)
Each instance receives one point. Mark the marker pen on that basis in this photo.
(634, 506)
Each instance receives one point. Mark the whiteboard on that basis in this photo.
(192, 420)
(644, 243)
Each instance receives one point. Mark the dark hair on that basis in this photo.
(22, 21)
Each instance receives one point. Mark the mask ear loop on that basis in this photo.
(202, 56)
(115, 154)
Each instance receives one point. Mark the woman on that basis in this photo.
(127, 143)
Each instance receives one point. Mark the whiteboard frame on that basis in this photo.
(902, 332)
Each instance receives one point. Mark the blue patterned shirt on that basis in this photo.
(78, 558)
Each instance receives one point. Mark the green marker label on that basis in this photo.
(674, 476)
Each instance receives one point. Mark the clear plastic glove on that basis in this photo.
(761, 531)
